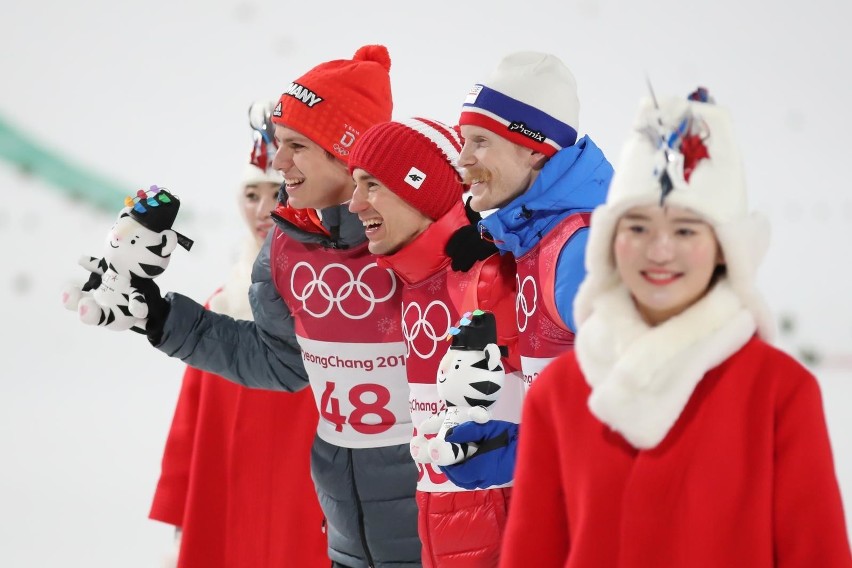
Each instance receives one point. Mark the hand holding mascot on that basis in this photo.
(470, 377)
(139, 247)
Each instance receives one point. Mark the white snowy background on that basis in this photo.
(157, 92)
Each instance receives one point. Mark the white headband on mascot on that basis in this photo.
(715, 190)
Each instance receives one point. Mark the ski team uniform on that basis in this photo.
(546, 229)
(458, 528)
(325, 312)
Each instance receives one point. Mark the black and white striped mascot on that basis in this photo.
(470, 378)
(139, 248)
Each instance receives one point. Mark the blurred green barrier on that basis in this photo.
(73, 179)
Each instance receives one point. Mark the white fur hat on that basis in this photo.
(693, 144)
(252, 174)
(530, 99)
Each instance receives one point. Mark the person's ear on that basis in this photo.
(537, 160)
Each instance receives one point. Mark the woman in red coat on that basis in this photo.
(674, 435)
(236, 477)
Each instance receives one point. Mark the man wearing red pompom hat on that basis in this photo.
(326, 315)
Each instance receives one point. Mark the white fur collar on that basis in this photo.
(642, 376)
(232, 299)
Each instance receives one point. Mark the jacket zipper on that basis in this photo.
(361, 529)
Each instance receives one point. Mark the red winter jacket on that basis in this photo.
(745, 476)
(458, 528)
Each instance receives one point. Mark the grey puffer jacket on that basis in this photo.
(367, 495)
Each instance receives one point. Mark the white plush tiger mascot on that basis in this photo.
(139, 247)
(470, 378)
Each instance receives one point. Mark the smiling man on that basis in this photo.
(522, 157)
(408, 196)
(326, 315)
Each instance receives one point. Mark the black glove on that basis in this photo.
(158, 310)
(466, 246)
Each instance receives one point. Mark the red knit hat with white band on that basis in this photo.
(334, 103)
(530, 99)
(417, 160)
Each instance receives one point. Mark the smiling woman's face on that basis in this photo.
(666, 256)
(256, 204)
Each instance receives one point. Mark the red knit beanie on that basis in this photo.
(337, 101)
(417, 160)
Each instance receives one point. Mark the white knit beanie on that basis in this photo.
(693, 143)
(530, 99)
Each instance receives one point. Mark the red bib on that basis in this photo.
(346, 311)
(543, 334)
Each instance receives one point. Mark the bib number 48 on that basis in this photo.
(376, 405)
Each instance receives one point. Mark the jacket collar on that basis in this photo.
(642, 377)
(575, 179)
(340, 228)
(425, 256)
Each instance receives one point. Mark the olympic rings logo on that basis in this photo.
(425, 324)
(318, 285)
(522, 304)
(345, 143)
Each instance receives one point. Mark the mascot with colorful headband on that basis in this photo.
(470, 379)
(139, 248)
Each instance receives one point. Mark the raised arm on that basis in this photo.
(259, 354)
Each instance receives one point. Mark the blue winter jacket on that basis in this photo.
(574, 180)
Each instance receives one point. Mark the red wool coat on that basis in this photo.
(236, 477)
(236, 471)
(745, 477)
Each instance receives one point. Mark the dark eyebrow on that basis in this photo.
(635, 217)
(294, 139)
(641, 217)
(692, 220)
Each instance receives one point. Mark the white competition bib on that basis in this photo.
(423, 403)
(532, 366)
(361, 392)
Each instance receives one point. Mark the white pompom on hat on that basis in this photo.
(530, 99)
(693, 143)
